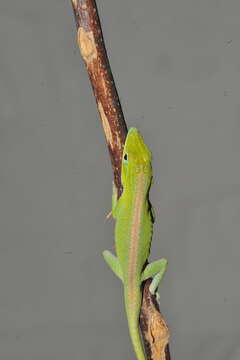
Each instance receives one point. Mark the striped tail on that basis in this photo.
(133, 305)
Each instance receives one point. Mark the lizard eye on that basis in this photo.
(125, 158)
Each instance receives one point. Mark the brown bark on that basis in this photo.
(91, 44)
(92, 49)
(154, 328)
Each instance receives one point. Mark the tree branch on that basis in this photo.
(91, 44)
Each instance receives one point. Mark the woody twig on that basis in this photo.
(92, 48)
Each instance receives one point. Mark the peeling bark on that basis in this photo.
(154, 328)
(91, 44)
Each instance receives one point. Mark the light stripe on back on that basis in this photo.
(135, 233)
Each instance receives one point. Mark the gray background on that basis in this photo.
(177, 68)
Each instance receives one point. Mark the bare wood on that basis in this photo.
(92, 49)
(154, 328)
(91, 44)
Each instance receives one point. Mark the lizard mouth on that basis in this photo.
(136, 148)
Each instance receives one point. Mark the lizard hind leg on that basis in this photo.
(113, 263)
(156, 270)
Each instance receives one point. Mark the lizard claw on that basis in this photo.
(109, 215)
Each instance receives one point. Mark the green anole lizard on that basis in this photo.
(133, 232)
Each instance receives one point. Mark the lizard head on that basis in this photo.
(136, 158)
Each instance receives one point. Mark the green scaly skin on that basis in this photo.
(133, 233)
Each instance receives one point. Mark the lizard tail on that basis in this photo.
(133, 304)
